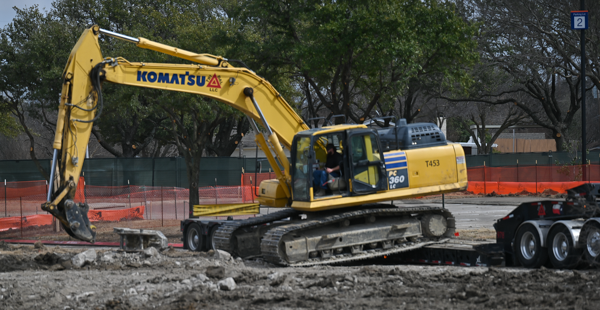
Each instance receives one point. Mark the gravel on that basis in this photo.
(46, 278)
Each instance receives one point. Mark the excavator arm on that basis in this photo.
(210, 76)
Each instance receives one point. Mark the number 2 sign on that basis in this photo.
(579, 20)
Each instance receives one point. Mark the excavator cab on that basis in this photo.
(362, 170)
(367, 170)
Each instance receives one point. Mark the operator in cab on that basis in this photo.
(332, 167)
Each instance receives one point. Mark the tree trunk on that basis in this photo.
(559, 140)
(193, 174)
(21, 116)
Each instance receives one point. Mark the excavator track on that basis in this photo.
(273, 252)
(275, 234)
(224, 236)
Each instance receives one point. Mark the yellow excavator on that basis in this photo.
(348, 220)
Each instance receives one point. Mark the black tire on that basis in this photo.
(193, 237)
(590, 238)
(211, 234)
(528, 247)
(561, 248)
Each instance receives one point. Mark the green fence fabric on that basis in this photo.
(546, 158)
(170, 171)
(21, 170)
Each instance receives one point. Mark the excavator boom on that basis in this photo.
(211, 76)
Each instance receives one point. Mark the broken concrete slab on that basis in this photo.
(227, 284)
(222, 255)
(151, 252)
(135, 240)
(108, 257)
(82, 258)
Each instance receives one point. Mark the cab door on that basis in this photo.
(366, 162)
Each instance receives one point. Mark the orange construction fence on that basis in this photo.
(530, 179)
(521, 188)
(17, 222)
(523, 180)
(534, 173)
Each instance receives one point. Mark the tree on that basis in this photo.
(26, 82)
(480, 116)
(227, 134)
(532, 42)
(133, 118)
(8, 126)
(129, 122)
(349, 55)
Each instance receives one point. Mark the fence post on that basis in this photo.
(145, 199)
(252, 189)
(216, 193)
(162, 208)
(21, 204)
(5, 205)
(517, 170)
(175, 192)
(536, 190)
(484, 180)
(129, 195)
(588, 170)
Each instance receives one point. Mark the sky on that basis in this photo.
(7, 13)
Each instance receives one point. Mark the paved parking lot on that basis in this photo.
(476, 212)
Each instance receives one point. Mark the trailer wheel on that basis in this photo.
(194, 237)
(561, 248)
(528, 247)
(590, 237)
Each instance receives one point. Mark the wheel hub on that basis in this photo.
(528, 245)
(194, 240)
(593, 243)
(560, 247)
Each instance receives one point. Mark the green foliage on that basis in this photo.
(460, 128)
(354, 53)
(33, 54)
(134, 116)
(9, 128)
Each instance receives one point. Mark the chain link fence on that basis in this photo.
(160, 197)
(133, 206)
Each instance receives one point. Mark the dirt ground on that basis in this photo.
(43, 277)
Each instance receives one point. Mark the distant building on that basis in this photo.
(521, 139)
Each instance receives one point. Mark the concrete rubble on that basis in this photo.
(227, 284)
(82, 258)
(133, 240)
(68, 278)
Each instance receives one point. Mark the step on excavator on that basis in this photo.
(350, 219)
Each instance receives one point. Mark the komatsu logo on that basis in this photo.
(180, 79)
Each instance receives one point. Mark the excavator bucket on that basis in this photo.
(73, 218)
